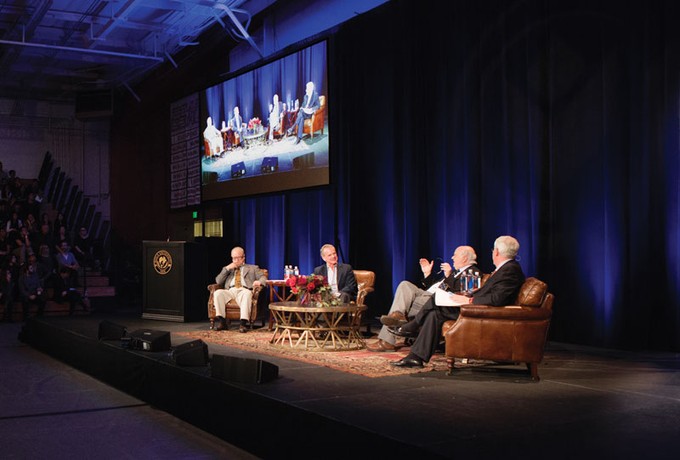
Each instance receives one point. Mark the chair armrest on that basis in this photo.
(362, 293)
(213, 287)
(510, 312)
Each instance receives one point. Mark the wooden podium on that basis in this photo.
(174, 281)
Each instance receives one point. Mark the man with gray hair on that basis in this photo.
(410, 299)
(500, 289)
(340, 276)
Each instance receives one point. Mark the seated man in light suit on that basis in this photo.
(238, 279)
(409, 299)
(340, 276)
(214, 138)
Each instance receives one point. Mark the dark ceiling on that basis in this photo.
(56, 49)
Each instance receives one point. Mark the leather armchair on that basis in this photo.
(233, 311)
(514, 333)
(317, 120)
(365, 282)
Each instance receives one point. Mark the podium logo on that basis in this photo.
(162, 262)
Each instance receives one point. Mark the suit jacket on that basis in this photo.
(502, 287)
(347, 283)
(249, 274)
(314, 104)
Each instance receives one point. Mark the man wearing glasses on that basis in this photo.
(409, 299)
(238, 280)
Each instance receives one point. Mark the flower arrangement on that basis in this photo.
(255, 124)
(312, 288)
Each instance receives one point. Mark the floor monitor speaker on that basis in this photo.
(111, 331)
(149, 340)
(242, 370)
(194, 353)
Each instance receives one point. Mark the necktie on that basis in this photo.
(237, 278)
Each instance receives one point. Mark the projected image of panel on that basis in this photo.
(266, 130)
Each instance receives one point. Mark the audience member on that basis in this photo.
(44, 237)
(238, 280)
(409, 299)
(340, 276)
(47, 266)
(14, 222)
(65, 291)
(59, 222)
(66, 260)
(82, 248)
(62, 235)
(500, 289)
(31, 289)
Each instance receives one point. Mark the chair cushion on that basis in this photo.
(532, 293)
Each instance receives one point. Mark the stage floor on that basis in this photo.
(589, 402)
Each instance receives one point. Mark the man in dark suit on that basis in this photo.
(238, 280)
(310, 104)
(500, 289)
(410, 299)
(340, 276)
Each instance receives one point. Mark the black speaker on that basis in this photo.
(269, 165)
(304, 161)
(149, 340)
(238, 169)
(111, 331)
(242, 370)
(194, 353)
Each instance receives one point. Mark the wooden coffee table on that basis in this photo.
(317, 328)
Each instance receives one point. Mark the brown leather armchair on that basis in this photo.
(514, 333)
(316, 121)
(365, 282)
(233, 311)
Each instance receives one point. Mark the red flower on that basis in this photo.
(311, 286)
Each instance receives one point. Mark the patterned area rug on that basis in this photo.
(360, 362)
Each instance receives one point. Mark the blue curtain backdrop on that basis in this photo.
(555, 122)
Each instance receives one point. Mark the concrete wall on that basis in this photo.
(30, 128)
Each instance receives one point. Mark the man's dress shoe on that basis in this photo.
(401, 332)
(409, 361)
(393, 320)
(381, 345)
(220, 323)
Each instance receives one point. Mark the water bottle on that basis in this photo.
(464, 283)
(286, 272)
(296, 271)
(478, 280)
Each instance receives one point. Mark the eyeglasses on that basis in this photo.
(238, 257)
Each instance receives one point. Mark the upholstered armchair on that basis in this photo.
(233, 311)
(365, 285)
(317, 120)
(365, 282)
(514, 333)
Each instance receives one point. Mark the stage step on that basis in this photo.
(52, 308)
(98, 291)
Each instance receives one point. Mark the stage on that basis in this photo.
(588, 402)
